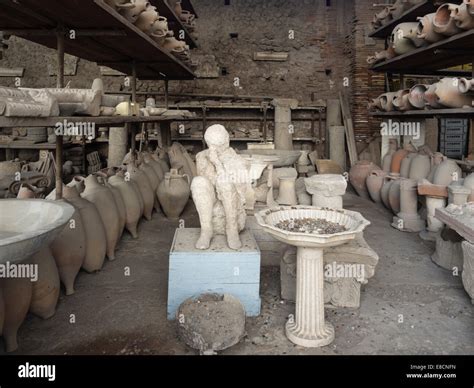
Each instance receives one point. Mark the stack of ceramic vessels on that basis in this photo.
(449, 20)
(392, 12)
(449, 92)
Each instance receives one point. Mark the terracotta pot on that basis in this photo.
(469, 183)
(17, 298)
(144, 186)
(406, 164)
(466, 85)
(157, 167)
(463, 18)
(401, 102)
(45, 292)
(397, 160)
(387, 159)
(122, 213)
(146, 20)
(386, 101)
(387, 183)
(380, 56)
(425, 29)
(104, 200)
(94, 235)
(436, 159)
(69, 249)
(400, 38)
(443, 22)
(431, 98)
(394, 196)
(420, 167)
(133, 212)
(173, 193)
(417, 96)
(358, 176)
(447, 172)
(173, 44)
(374, 182)
(449, 95)
(132, 13)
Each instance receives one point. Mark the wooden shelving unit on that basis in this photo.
(428, 113)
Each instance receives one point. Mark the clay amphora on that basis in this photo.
(154, 182)
(463, 18)
(120, 206)
(45, 293)
(466, 85)
(144, 186)
(401, 101)
(17, 298)
(119, 4)
(425, 29)
(131, 201)
(431, 98)
(358, 176)
(406, 164)
(417, 96)
(387, 159)
(180, 158)
(69, 248)
(420, 167)
(469, 183)
(384, 192)
(173, 193)
(155, 165)
(94, 234)
(449, 95)
(147, 19)
(397, 160)
(400, 38)
(132, 13)
(443, 22)
(178, 10)
(104, 201)
(394, 196)
(447, 172)
(436, 159)
(386, 101)
(374, 182)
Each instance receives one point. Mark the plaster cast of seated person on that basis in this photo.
(219, 190)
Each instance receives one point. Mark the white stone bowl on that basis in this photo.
(284, 158)
(353, 221)
(26, 225)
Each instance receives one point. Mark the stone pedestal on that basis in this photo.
(309, 328)
(468, 269)
(339, 291)
(458, 194)
(219, 270)
(448, 254)
(283, 132)
(434, 225)
(408, 220)
(327, 190)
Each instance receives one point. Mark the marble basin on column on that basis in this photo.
(308, 327)
(26, 225)
(283, 158)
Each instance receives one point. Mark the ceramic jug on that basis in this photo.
(69, 249)
(104, 200)
(375, 182)
(173, 193)
(132, 13)
(447, 172)
(387, 159)
(358, 176)
(131, 201)
(425, 29)
(444, 22)
(146, 20)
(406, 164)
(119, 202)
(416, 96)
(45, 292)
(449, 95)
(144, 186)
(94, 236)
(463, 18)
(17, 294)
(420, 167)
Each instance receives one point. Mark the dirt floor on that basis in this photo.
(115, 314)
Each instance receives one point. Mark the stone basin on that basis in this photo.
(283, 158)
(308, 328)
(353, 221)
(26, 225)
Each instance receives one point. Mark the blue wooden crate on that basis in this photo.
(218, 270)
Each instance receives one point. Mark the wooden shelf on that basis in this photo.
(102, 35)
(237, 139)
(410, 15)
(174, 22)
(453, 51)
(426, 113)
(20, 145)
(13, 122)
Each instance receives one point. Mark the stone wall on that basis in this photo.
(329, 44)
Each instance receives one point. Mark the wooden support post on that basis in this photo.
(134, 82)
(166, 94)
(59, 139)
(471, 130)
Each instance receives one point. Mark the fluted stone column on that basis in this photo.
(309, 328)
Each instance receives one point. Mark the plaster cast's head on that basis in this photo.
(217, 137)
